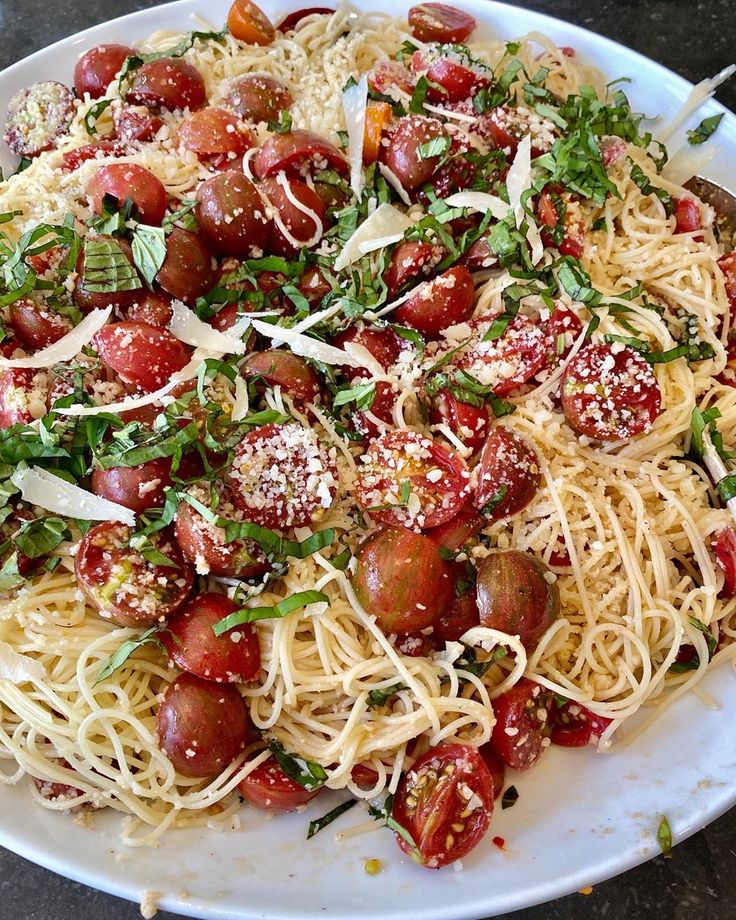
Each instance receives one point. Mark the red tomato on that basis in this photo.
(202, 726)
(456, 532)
(497, 770)
(36, 325)
(16, 397)
(437, 477)
(575, 725)
(142, 355)
(612, 149)
(461, 613)
(258, 97)
(187, 270)
(561, 331)
(249, 23)
(123, 586)
(151, 307)
(135, 123)
(167, 83)
(314, 286)
(625, 398)
(456, 82)
(284, 369)
(687, 215)
(388, 74)
(724, 546)
(381, 409)
(508, 361)
(479, 256)
(88, 300)
(135, 487)
(381, 341)
(292, 20)
(402, 154)
(365, 777)
(442, 302)
(506, 125)
(573, 239)
(232, 216)
(73, 159)
(507, 476)
(439, 22)
(193, 646)
(283, 477)
(128, 180)
(214, 130)
(294, 227)
(727, 265)
(269, 789)
(559, 558)
(523, 724)
(408, 261)
(468, 423)
(97, 68)
(38, 117)
(293, 151)
(445, 803)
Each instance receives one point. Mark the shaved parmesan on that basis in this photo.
(366, 359)
(479, 201)
(386, 222)
(688, 162)
(41, 488)
(699, 94)
(305, 346)
(187, 327)
(307, 211)
(241, 402)
(354, 102)
(313, 319)
(394, 181)
(65, 349)
(399, 300)
(17, 668)
(519, 177)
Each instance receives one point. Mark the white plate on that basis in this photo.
(580, 818)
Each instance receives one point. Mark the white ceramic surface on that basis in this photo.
(580, 818)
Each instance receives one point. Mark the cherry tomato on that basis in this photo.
(269, 789)
(212, 131)
(248, 23)
(495, 767)
(382, 409)
(19, 404)
(282, 476)
(125, 587)
(167, 83)
(612, 149)
(232, 216)
(507, 477)
(38, 117)
(97, 68)
(202, 726)
(559, 558)
(468, 423)
(292, 20)
(388, 74)
(523, 724)
(54, 791)
(445, 802)
(187, 270)
(258, 97)
(479, 256)
(151, 307)
(440, 22)
(727, 265)
(402, 579)
(88, 300)
(456, 532)
(294, 150)
(36, 325)
(377, 119)
(363, 776)
(461, 612)
(381, 341)
(408, 262)
(687, 215)
(515, 597)
(724, 546)
(284, 369)
(573, 237)
(143, 356)
(456, 174)
(128, 180)
(136, 487)
(442, 302)
(437, 480)
(73, 159)
(135, 123)
(402, 154)
(456, 81)
(508, 361)
(561, 331)
(506, 125)
(303, 224)
(575, 725)
(609, 392)
(314, 286)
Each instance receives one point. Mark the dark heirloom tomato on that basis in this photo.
(402, 580)
(282, 476)
(561, 330)
(445, 802)
(167, 83)
(95, 300)
(36, 325)
(401, 155)
(135, 123)
(439, 22)
(152, 307)
(16, 386)
(468, 423)
(479, 256)
(73, 159)
(381, 341)
(305, 224)
(37, 117)
(214, 130)
(96, 68)
(687, 215)
(284, 369)
(125, 587)
(187, 270)
(495, 767)
(506, 362)
(507, 476)
(258, 97)
(201, 726)
(575, 725)
(515, 597)
(456, 82)
(269, 789)
(249, 23)
(409, 260)
(292, 20)
(456, 532)
(128, 180)
(413, 645)
(193, 646)
(441, 302)
(524, 717)
(313, 286)
(610, 392)
(232, 215)
(506, 125)
(292, 150)
(363, 776)
(461, 613)
(437, 480)
(724, 547)
(136, 487)
(143, 356)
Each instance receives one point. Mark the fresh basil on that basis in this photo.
(705, 129)
(93, 113)
(362, 395)
(107, 269)
(151, 636)
(385, 814)
(283, 608)
(135, 61)
(41, 536)
(437, 147)
(307, 773)
(641, 180)
(149, 251)
(319, 823)
(494, 501)
(378, 698)
(510, 797)
(182, 216)
(10, 576)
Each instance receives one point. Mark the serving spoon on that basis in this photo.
(723, 203)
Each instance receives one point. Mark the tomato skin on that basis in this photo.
(136, 123)
(575, 725)
(135, 487)
(382, 409)
(479, 256)
(408, 261)
(36, 326)
(461, 613)
(95, 300)
(727, 265)
(724, 546)
(128, 180)
(562, 323)
(363, 776)
(457, 82)
(269, 789)
(687, 215)
(507, 461)
(292, 20)
(456, 532)
(573, 240)
(73, 159)
(518, 711)
(401, 155)
(258, 98)
(54, 791)
(167, 83)
(201, 726)
(434, 799)
(232, 215)
(212, 131)
(143, 356)
(292, 149)
(152, 307)
(96, 69)
(402, 579)
(302, 227)
(249, 23)
(495, 767)
(468, 423)
(442, 302)
(387, 74)
(440, 22)
(314, 286)
(284, 369)
(187, 270)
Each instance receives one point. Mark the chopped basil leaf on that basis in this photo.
(468, 661)
(183, 217)
(283, 125)
(283, 608)
(107, 269)
(416, 106)
(404, 491)
(93, 113)
(377, 698)
(114, 217)
(118, 658)
(410, 335)
(641, 180)
(384, 814)
(340, 561)
(726, 487)
(149, 251)
(41, 536)
(316, 826)
(600, 224)
(307, 773)
(664, 837)
(493, 503)
(437, 147)
(704, 130)
(362, 395)
(510, 797)
(10, 577)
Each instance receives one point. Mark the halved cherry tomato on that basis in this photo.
(293, 150)
(575, 725)
(232, 215)
(727, 265)
(36, 325)
(129, 180)
(444, 301)
(292, 224)
(507, 477)
(523, 724)
(135, 487)
(609, 392)
(687, 215)
(402, 154)
(409, 261)
(269, 789)
(508, 361)
(439, 22)
(19, 404)
(258, 97)
(313, 285)
(152, 307)
(612, 149)
(214, 130)
(54, 791)
(388, 74)
(292, 20)
(456, 532)
(495, 767)
(123, 586)
(505, 126)
(38, 117)
(283, 477)
(142, 355)
(479, 256)
(363, 776)
(573, 238)
(382, 409)
(381, 341)
(187, 270)
(468, 423)
(201, 726)
(88, 300)
(445, 803)
(724, 546)
(73, 159)
(377, 119)
(135, 123)
(167, 83)
(96, 68)
(413, 645)
(561, 331)
(248, 23)
(402, 579)
(455, 82)
(437, 480)
(284, 369)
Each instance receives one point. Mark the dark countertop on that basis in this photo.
(691, 37)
